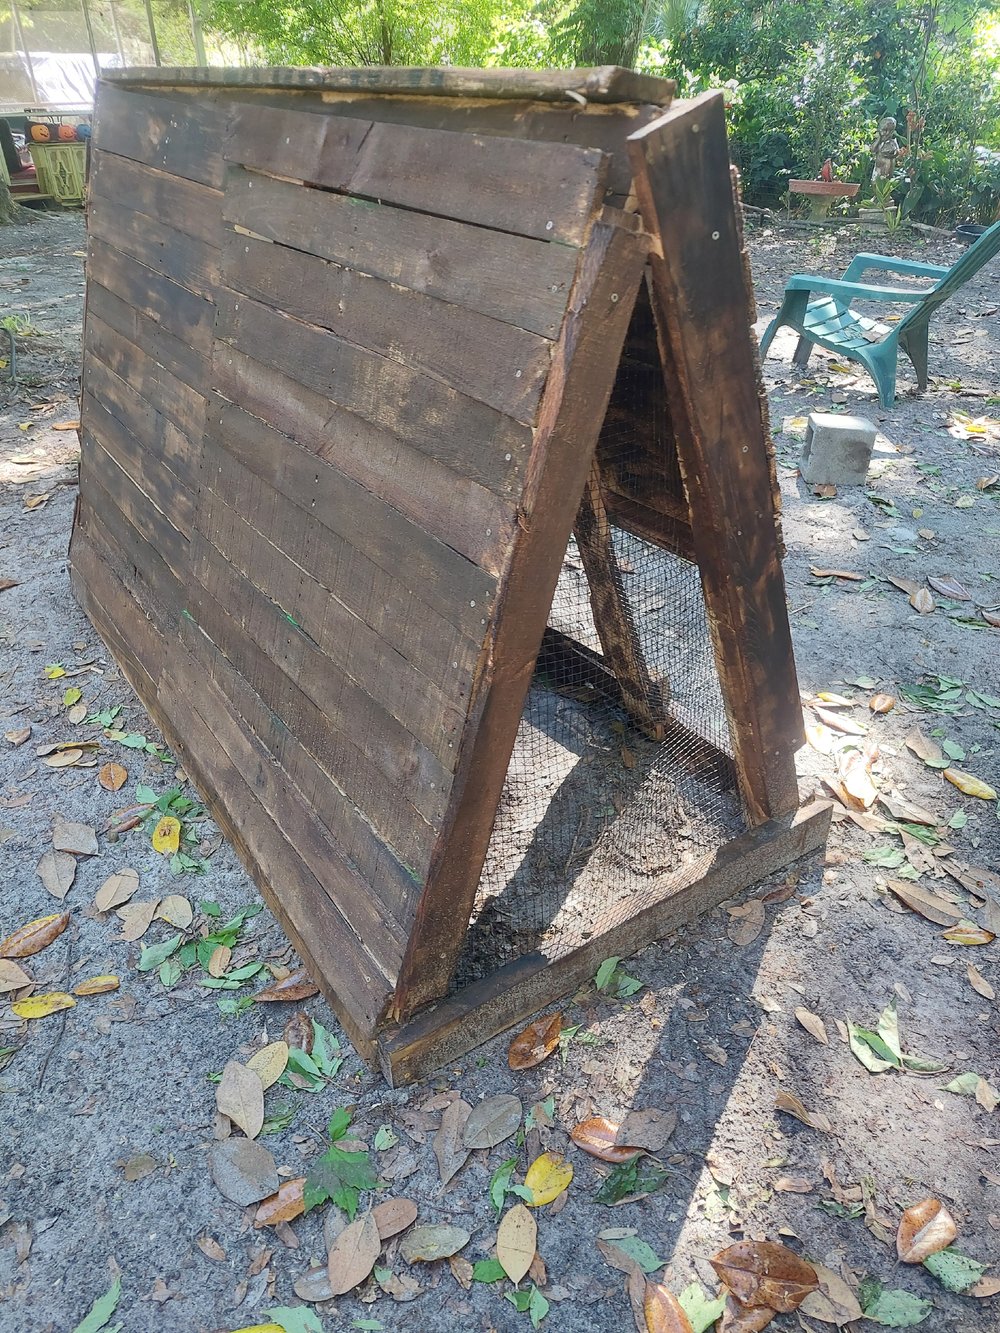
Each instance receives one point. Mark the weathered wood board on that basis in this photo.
(350, 338)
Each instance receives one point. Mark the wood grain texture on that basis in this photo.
(682, 179)
(176, 255)
(161, 439)
(490, 181)
(602, 83)
(164, 391)
(480, 357)
(575, 399)
(448, 1030)
(173, 135)
(186, 206)
(167, 303)
(513, 279)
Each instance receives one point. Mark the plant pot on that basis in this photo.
(968, 232)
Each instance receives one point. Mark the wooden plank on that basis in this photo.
(171, 200)
(204, 734)
(161, 388)
(345, 642)
(160, 541)
(509, 278)
(169, 304)
(183, 359)
(575, 400)
(644, 697)
(681, 164)
(352, 542)
(450, 1029)
(173, 253)
(162, 486)
(492, 362)
(431, 417)
(364, 784)
(490, 181)
(160, 437)
(602, 83)
(171, 134)
(666, 527)
(392, 885)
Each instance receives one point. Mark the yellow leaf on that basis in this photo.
(517, 1237)
(55, 671)
(72, 696)
(260, 1328)
(967, 933)
(40, 1006)
(269, 1063)
(547, 1177)
(96, 986)
(970, 785)
(167, 836)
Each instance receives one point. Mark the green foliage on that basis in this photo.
(338, 1175)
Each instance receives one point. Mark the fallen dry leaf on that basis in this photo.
(296, 986)
(599, 1137)
(813, 1024)
(65, 425)
(240, 1096)
(211, 1249)
(838, 723)
(537, 1041)
(854, 772)
(218, 963)
(283, 1206)
(649, 1128)
(167, 836)
(299, 1031)
(352, 1255)
(881, 703)
(243, 1171)
(136, 918)
(269, 1063)
(63, 758)
(517, 1238)
(903, 584)
(746, 922)
(926, 749)
(432, 1241)
(967, 933)
(175, 910)
(449, 1148)
(57, 871)
(40, 1006)
(112, 777)
(12, 977)
(77, 839)
(833, 1302)
(116, 889)
(836, 574)
(948, 586)
(761, 1273)
(17, 737)
(97, 985)
(793, 1106)
(985, 1287)
(546, 1178)
(929, 905)
(34, 936)
(662, 1310)
(394, 1216)
(492, 1121)
(793, 1185)
(970, 785)
(924, 1229)
(922, 601)
(979, 983)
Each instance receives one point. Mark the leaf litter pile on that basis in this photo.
(701, 1140)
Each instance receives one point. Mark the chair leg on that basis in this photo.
(914, 343)
(768, 337)
(803, 351)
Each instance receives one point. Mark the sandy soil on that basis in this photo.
(118, 1087)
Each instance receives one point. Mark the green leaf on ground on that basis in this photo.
(954, 1271)
(157, 954)
(532, 1302)
(295, 1318)
(101, 1310)
(639, 1252)
(631, 1180)
(488, 1270)
(701, 1312)
(892, 1309)
(338, 1175)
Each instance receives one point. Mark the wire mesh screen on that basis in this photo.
(621, 778)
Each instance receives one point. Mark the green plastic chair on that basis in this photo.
(819, 309)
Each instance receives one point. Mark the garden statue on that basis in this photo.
(885, 150)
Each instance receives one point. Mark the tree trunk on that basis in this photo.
(9, 210)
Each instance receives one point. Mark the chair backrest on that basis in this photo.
(978, 254)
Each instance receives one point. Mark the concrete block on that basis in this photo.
(838, 449)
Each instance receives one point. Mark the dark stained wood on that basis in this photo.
(449, 1029)
(644, 697)
(575, 399)
(169, 133)
(430, 416)
(450, 507)
(510, 278)
(160, 437)
(163, 390)
(175, 254)
(168, 304)
(186, 206)
(602, 83)
(342, 527)
(682, 178)
(486, 360)
(184, 359)
(490, 181)
(667, 526)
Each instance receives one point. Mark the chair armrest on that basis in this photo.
(862, 263)
(807, 282)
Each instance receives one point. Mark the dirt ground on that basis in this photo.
(107, 1111)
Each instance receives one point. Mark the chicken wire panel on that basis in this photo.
(596, 816)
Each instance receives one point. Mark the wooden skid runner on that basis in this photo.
(348, 350)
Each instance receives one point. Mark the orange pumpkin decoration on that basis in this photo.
(40, 133)
(67, 133)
